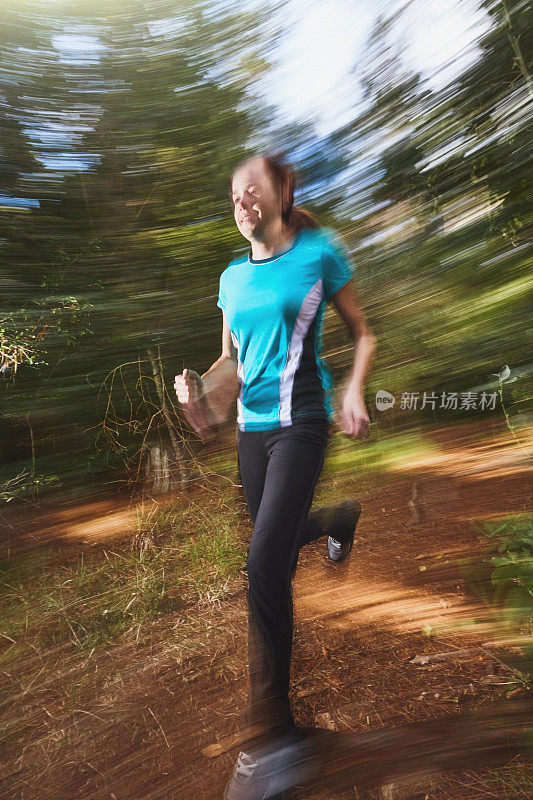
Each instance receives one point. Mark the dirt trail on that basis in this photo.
(358, 625)
(461, 457)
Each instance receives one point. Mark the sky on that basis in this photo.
(316, 64)
(323, 44)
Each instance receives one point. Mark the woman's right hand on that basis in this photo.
(189, 386)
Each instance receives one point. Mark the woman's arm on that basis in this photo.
(207, 400)
(347, 304)
(221, 384)
(228, 351)
(354, 418)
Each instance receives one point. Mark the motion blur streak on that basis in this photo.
(123, 534)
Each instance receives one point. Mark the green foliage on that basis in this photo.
(502, 580)
(380, 455)
(109, 260)
(512, 576)
(26, 485)
(120, 254)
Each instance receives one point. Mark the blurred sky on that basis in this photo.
(323, 48)
(326, 39)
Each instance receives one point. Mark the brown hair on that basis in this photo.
(286, 179)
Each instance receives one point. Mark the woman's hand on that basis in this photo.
(353, 417)
(190, 391)
(189, 386)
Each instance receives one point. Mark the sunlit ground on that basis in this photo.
(415, 454)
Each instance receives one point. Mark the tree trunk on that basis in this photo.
(157, 371)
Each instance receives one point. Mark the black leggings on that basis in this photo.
(279, 470)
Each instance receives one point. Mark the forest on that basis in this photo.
(123, 533)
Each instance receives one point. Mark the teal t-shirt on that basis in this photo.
(274, 309)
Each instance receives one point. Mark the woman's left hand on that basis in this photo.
(353, 417)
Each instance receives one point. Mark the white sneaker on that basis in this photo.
(345, 522)
(273, 768)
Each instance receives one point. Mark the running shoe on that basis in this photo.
(342, 528)
(266, 772)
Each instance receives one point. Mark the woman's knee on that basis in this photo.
(266, 570)
(258, 564)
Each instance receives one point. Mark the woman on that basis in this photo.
(272, 300)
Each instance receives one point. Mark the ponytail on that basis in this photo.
(301, 218)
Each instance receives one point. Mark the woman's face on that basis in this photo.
(256, 202)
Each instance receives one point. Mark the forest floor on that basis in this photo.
(156, 717)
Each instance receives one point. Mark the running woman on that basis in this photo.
(272, 300)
